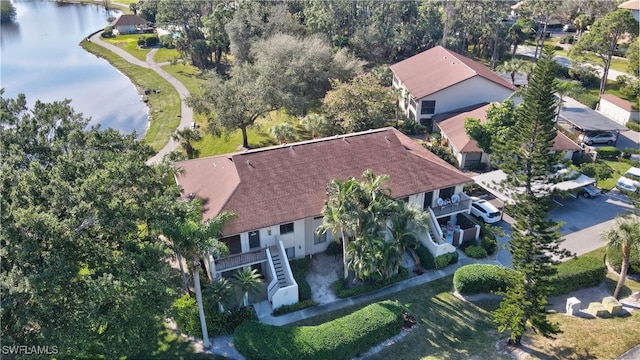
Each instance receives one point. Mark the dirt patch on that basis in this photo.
(324, 270)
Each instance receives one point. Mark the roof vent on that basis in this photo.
(291, 147)
(249, 164)
(445, 57)
(386, 138)
(345, 140)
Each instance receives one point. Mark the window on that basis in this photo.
(319, 239)
(428, 107)
(447, 192)
(254, 239)
(291, 252)
(428, 200)
(286, 228)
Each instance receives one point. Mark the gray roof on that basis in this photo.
(586, 118)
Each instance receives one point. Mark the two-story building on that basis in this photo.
(439, 80)
(278, 194)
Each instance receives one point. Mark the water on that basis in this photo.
(41, 57)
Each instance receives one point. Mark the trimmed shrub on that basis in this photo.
(141, 41)
(614, 258)
(597, 171)
(443, 260)
(285, 309)
(341, 292)
(633, 125)
(567, 39)
(342, 338)
(476, 252)
(454, 258)
(300, 268)
(334, 248)
(226, 323)
(426, 258)
(488, 239)
(151, 41)
(608, 152)
(578, 273)
(481, 278)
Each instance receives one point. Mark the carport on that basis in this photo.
(493, 182)
(583, 118)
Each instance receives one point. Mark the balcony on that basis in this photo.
(448, 207)
(241, 260)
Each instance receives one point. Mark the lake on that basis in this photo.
(42, 58)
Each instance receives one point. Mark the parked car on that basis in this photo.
(589, 191)
(569, 28)
(591, 138)
(485, 211)
(630, 180)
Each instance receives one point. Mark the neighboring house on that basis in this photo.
(466, 150)
(439, 80)
(633, 6)
(129, 24)
(618, 110)
(278, 194)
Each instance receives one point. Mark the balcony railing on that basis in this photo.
(239, 260)
(463, 205)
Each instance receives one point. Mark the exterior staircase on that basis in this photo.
(279, 267)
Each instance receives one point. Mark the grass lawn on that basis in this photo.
(450, 328)
(258, 135)
(164, 54)
(164, 107)
(129, 43)
(619, 168)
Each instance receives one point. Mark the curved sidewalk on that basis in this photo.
(186, 113)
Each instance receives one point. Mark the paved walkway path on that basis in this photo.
(186, 113)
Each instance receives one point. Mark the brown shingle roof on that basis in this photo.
(439, 68)
(452, 124)
(128, 20)
(621, 103)
(281, 184)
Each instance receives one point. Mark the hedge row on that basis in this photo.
(582, 272)
(300, 268)
(341, 292)
(343, 338)
(426, 258)
(480, 278)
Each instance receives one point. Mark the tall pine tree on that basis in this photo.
(526, 159)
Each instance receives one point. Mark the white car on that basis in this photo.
(630, 181)
(485, 211)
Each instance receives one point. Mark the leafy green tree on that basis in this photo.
(195, 240)
(500, 119)
(581, 22)
(185, 137)
(624, 237)
(564, 89)
(524, 156)
(304, 67)
(214, 25)
(602, 39)
(540, 11)
(232, 104)
(81, 267)
(244, 29)
(247, 282)
(519, 32)
(633, 55)
(282, 132)
(359, 105)
(7, 12)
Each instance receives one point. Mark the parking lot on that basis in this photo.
(582, 222)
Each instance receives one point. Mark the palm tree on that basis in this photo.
(565, 88)
(282, 132)
(406, 225)
(512, 67)
(247, 281)
(220, 292)
(581, 22)
(624, 236)
(340, 214)
(186, 136)
(314, 123)
(195, 240)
